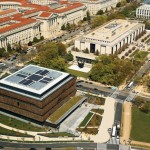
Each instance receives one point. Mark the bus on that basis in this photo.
(130, 85)
(113, 134)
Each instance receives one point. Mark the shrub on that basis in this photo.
(133, 48)
(126, 54)
(122, 57)
(130, 51)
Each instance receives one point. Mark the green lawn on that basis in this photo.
(140, 126)
(62, 134)
(139, 55)
(77, 73)
(4, 131)
(95, 121)
(86, 119)
(96, 100)
(63, 109)
(12, 122)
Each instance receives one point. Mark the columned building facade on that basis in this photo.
(111, 37)
(21, 25)
(143, 11)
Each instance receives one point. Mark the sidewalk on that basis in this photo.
(107, 122)
(36, 136)
(126, 127)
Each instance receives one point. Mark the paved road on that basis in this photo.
(46, 145)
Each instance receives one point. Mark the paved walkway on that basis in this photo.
(107, 122)
(35, 135)
(126, 123)
(142, 144)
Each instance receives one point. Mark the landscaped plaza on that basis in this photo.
(74, 75)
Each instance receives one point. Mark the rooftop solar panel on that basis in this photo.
(38, 72)
(44, 72)
(48, 79)
(35, 77)
(43, 81)
(21, 82)
(21, 75)
(27, 82)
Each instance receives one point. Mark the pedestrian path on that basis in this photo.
(36, 136)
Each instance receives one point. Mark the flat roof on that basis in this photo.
(112, 30)
(33, 79)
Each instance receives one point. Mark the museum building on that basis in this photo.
(36, 92)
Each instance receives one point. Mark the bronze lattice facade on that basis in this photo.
(35, 109)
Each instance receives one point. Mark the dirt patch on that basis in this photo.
(126, 128)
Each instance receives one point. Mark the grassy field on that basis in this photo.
(62, 134)
(140, 126)
(139, 55)
(99, 111)
(93, 131)
(95, 121)
(77, 73)
(57, 114)
(12, 122)
(86, 119)
(4, 131)
(96, 100)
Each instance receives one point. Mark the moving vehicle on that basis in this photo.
(113, 134)
(130, 85)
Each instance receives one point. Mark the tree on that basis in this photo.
(68, 27)
(35, 40)
(2, 52)
(118, 4)
(30, 43)
(61, 49)
(84, 19)
(145, 107)
(100, 12)
(50, 56)
(97, 21)
(41, 38)
(86, 51)
(9, 49)
(63, 27)
(69, 56)
(128, 1)
(97, 52)
(88, 16)
(110, 70)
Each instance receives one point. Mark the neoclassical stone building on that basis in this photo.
(112, 36)
(93, 6)
(26, 20)
(143, 11)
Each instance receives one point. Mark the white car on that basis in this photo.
(2, 64)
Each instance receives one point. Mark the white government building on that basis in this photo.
(143, 11)
(110, 37)
(21, 21)
(93, 6)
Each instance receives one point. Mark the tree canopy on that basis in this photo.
(52, 55)
(110, 70)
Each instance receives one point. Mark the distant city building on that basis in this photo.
(27, 20)
(36, 92)
(110, 37)
(143, 11)
(93, 6)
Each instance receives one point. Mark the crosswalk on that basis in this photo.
(115, 94)
(114, 140)
(130, 96)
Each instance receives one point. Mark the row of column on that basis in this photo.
(127, 40)
(3, 43)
